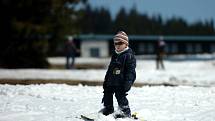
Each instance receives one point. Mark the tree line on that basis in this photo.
(32, 30)
(99, 21)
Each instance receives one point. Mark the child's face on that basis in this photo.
(119, 46)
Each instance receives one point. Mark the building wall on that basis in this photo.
(174, 47)
(94, 48)
(102, 45)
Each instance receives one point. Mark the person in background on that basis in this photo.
(71, 51)
(119, 77)
(160, 53)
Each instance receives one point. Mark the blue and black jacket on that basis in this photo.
(121, 71)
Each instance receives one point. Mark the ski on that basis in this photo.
(85, 118)
(134, 116)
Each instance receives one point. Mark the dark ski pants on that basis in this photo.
(159, 61)
(70, 61)
(120, 96)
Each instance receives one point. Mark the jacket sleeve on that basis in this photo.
(130, 73)
(106, 75)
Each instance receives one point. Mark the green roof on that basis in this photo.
(148, 37)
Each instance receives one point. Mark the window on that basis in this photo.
(94, 52)
(198, 48)
(150, 48)
(212, 48)
(141, 48)
(189, 48)
(147, 48)
(174, 48)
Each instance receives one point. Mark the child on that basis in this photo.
(120, 76)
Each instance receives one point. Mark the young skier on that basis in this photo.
(120, 76)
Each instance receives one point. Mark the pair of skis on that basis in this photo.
(91, 117)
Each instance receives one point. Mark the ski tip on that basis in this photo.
(136, 116)
(85, 118)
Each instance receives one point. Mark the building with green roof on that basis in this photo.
(102, 45)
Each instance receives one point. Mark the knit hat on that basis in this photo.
(121, 37)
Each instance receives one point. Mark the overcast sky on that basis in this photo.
(190, 10)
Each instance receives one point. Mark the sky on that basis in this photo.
(190, 10)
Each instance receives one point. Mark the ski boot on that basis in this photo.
(124, 113)
(107, 110)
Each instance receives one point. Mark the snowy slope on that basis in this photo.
(53, 102)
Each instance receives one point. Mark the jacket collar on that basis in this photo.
(118, 53)
(129, 50)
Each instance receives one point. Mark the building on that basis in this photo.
(102, 45)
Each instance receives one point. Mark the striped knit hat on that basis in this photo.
(121, 37)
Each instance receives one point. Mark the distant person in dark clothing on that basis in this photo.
(119, 77)
(71, 51)
(160, 53)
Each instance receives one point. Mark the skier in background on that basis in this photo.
(71, 51)
(160, 53)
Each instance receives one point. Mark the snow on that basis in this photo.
(52, 102)
(192, 100)
(198, 73)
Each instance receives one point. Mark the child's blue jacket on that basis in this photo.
(121, 70)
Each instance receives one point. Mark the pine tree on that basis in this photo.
(27, 26)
